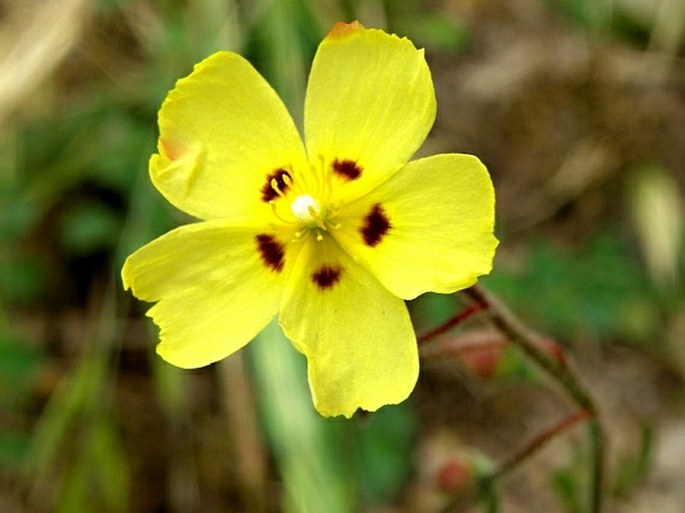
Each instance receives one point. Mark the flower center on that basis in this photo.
(302, 200)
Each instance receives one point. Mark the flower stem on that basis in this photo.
(529, 342)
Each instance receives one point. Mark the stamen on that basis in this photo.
(316, 217)
(274, 209)
(270, 191)
(296, 238)
(324, 182)
(287, 180)
(308, 198)
(275, 187)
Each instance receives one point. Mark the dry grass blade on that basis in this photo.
(36, 37)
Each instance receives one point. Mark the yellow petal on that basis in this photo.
(216, 285)
(370, 103)
(429, 228)
(358, 339)
(223, 133)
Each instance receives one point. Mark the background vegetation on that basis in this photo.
(576, 106)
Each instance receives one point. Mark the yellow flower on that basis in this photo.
(330, 235)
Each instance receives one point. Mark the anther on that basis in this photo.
(275, 187)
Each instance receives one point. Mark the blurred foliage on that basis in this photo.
(384, 452)
(76, 460)
(565, 484)
(20, 366)
(634, 468)
(435, 30)
(596, 289)
(658, 216)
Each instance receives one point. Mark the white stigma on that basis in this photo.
(304, 206)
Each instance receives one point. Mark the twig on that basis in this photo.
(486, 482)
(539, 442)
(529, 342)
(454, 321)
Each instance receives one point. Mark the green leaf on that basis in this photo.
(590, 289)
(385, 443)
(311, 464)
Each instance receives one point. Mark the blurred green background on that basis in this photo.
(576, 106)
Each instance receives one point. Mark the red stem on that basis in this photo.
(542, 439)
(454, 321)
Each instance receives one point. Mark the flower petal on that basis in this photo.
(370, 104)
(358, 339)
(429, 228)
(216, 285)
(223, 132)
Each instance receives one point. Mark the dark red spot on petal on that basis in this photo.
(326, 277)
(347, 169)
(376, 225)
(271, 251)
(268, 192)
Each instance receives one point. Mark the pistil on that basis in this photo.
(307, 210)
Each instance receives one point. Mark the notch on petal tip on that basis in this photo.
(342, 29)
